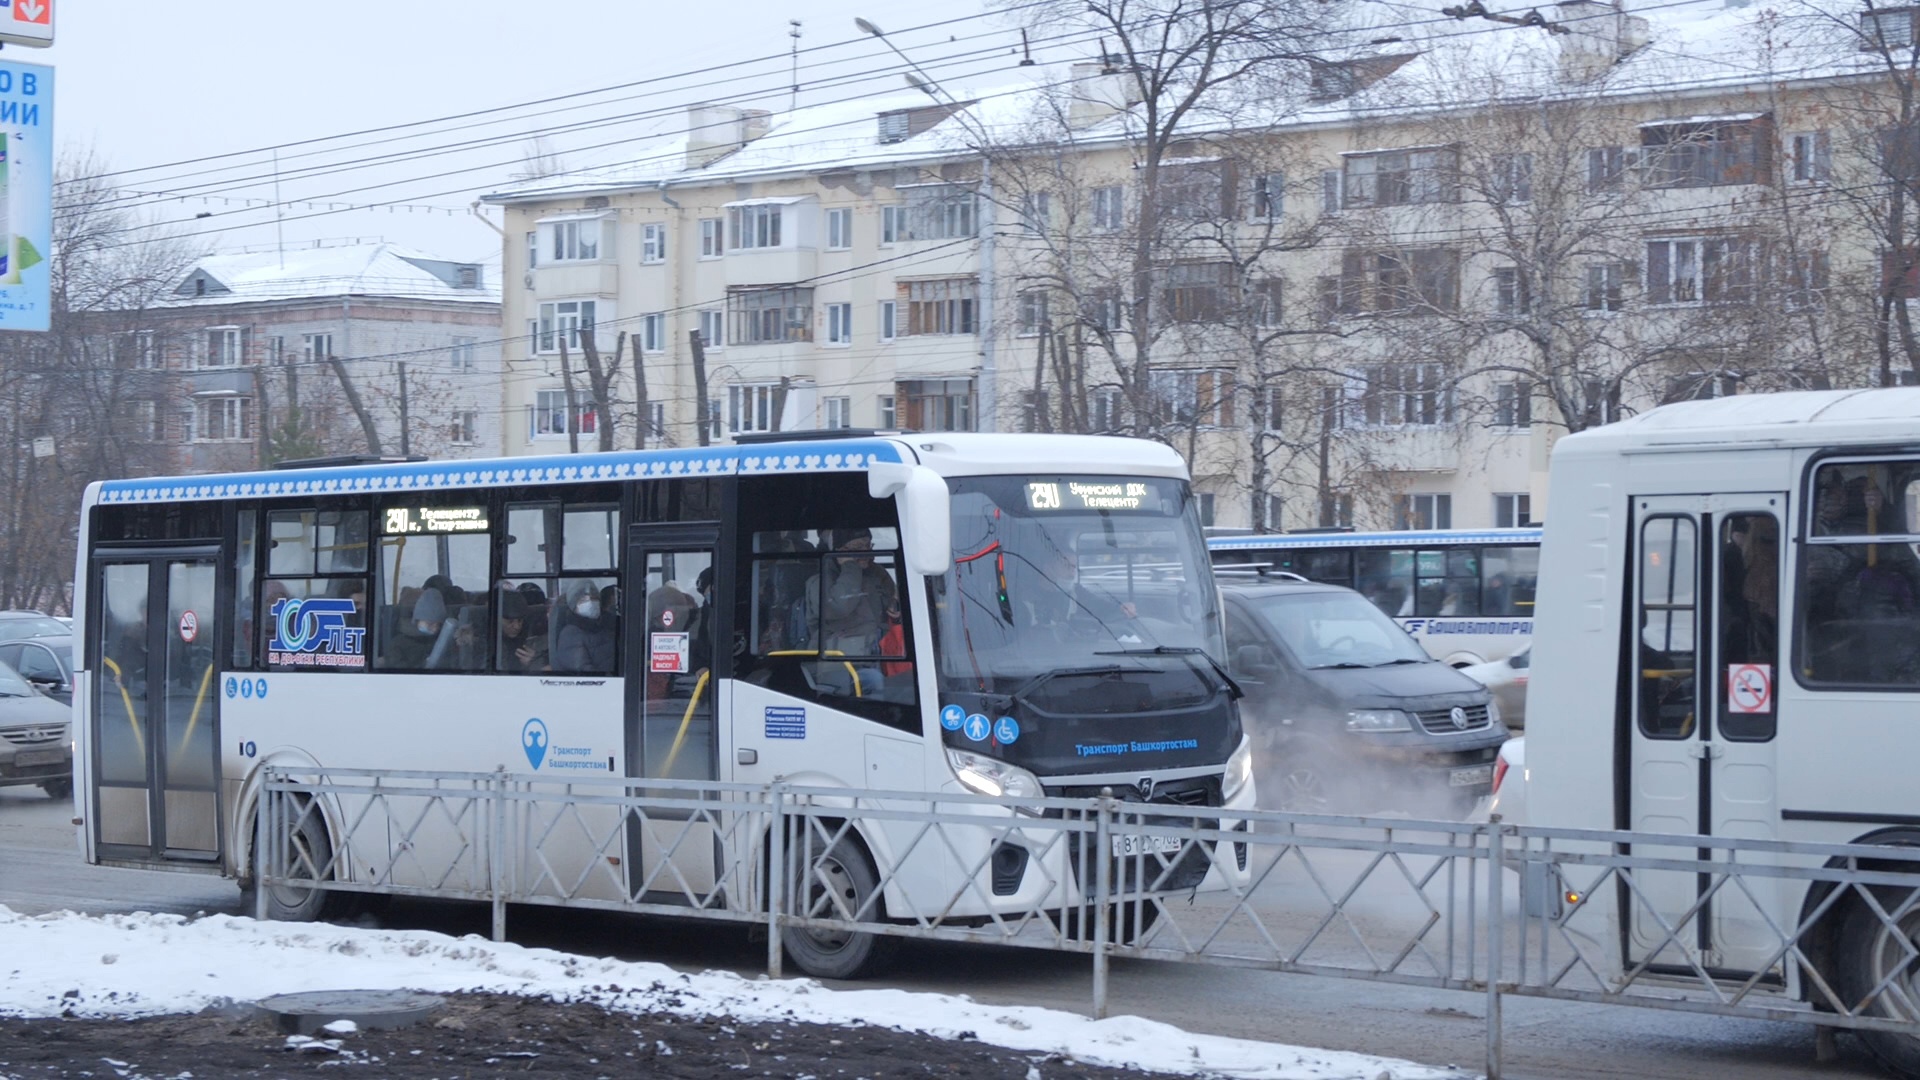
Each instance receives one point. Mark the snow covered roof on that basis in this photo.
(387, 270)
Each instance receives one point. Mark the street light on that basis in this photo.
(916, 78)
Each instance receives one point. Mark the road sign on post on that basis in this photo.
(26, 193)
(27, 22)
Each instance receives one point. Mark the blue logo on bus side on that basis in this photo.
(314, 625)
(533, 739)
(952, 717)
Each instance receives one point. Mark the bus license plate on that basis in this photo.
(1124, 846)
(1478, 774)
(27, 758)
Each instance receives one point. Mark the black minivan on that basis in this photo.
(1347, 713)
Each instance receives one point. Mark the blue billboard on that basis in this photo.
(26, 195)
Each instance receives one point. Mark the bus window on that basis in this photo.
(1749, 621)
(585, 625)
(246, 522)
(590, 535)
(433, 587)
(1330, 566)
(560, 559)
(1668, 565)
(1386, 578)
(314, 555)
(1447, 582)
(1507, 580)
(1860, 576)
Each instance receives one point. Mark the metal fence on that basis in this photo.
(1487, 908)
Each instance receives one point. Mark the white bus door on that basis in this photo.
(1705, 647)
(155, 709)
(671, 690)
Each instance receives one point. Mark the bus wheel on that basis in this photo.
(57, 789)
(841, 885)
(1870, 953)
(308, 851)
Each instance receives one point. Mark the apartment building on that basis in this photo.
(1375, 303)
(265, 356)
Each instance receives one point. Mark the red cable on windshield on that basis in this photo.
(983, 551)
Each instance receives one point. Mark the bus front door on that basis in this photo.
(671, 702)
(1705, 647)
(155, 708)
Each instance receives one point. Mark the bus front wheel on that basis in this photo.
(840, 884)
(309, 853)
(1878, 959)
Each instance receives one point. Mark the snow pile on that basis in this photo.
(66, 964)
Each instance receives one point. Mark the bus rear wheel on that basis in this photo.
(1872, 952)
(309, 852)
(840, 884)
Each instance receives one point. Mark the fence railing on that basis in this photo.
(1814, 933)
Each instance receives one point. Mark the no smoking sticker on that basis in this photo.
(1750, 688)
(189, 626)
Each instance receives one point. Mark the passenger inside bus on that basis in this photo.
(520, 649)
(584, 639)
(414, 642)
(852, 600)
(1862, 609)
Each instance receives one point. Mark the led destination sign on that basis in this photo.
(405, 520)
(1090, 495)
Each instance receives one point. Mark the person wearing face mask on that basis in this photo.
(414, 643)
(585, 641)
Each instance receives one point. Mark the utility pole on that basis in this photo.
(700, 424)
(793, 99)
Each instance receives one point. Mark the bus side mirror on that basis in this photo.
(926, 530)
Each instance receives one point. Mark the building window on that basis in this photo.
(715, 428)
(1109, 208)
(316, 347)
(839, 324)
(946, 306)
(561, 322)
(1511, 179)
(460, 355)
(889, 414)
(1812, 156)
(1035, 414)
(1276, 506)
(653, 333)
(1269, 401)
(1513, 404)
(1106, 309)
(936, 404)
(839, 229)
(1330, 193)
(750, 227)
(769, 316)
(653, 243)
(1429, 511)
(1196, 190)
(1198, 292)
(533, 250)
(1700, 386)
(755, 407)
(1107, 409)
(141, 420)
(1036, 216)
(1401, 177)
(1506, 290)
(225, 347)
(1692, 270)
(547, 416)
(461, 431)
(1808, 276)
(1266, 303)
(893, 225)
(1512, 511)
(889, 312)
(1032, 312)
(713, 236)
(135, 350)
(1605, 286)
(656, 420)
(1707, 154)
(1887, 28)
(1406, 395)
(1194, 398)
(223, 419)
(1203, 501)
(1269, 197)
(1406, 280)
(1609, 168)
(839, 413)
(939, 212)
(571, 241)
(712, 332)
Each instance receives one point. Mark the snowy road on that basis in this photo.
(41, 872)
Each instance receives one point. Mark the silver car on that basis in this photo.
(36, 746)
(1507, 678)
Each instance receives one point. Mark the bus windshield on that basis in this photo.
(1058, 574)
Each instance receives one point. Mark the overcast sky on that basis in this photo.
(144, 85)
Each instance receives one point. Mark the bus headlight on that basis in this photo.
(1239, 771)
(983, 775)
(1378, 720)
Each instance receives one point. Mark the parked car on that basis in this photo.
(1346, 712)
(36, 746)
(1507, 679)
(45, 662)
(25, 624)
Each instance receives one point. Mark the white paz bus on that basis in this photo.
(1730, 647)
(920, 613)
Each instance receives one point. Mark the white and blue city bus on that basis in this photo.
(920, 613)
(1465, 595)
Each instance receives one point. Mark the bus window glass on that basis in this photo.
(590, 535)
(1448, 582)
(523, 637)
(289, 542)
(527, 541)
(1860, 576)
(433, 592)
(244, 554)
(1507, 580)
(1668, 565)
(1749, 624)
(1333, 567)
(1386, 578)
(340, 542)
(584, 625)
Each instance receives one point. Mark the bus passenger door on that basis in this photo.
(1704, 641)
(671, 691)
(155, 708)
